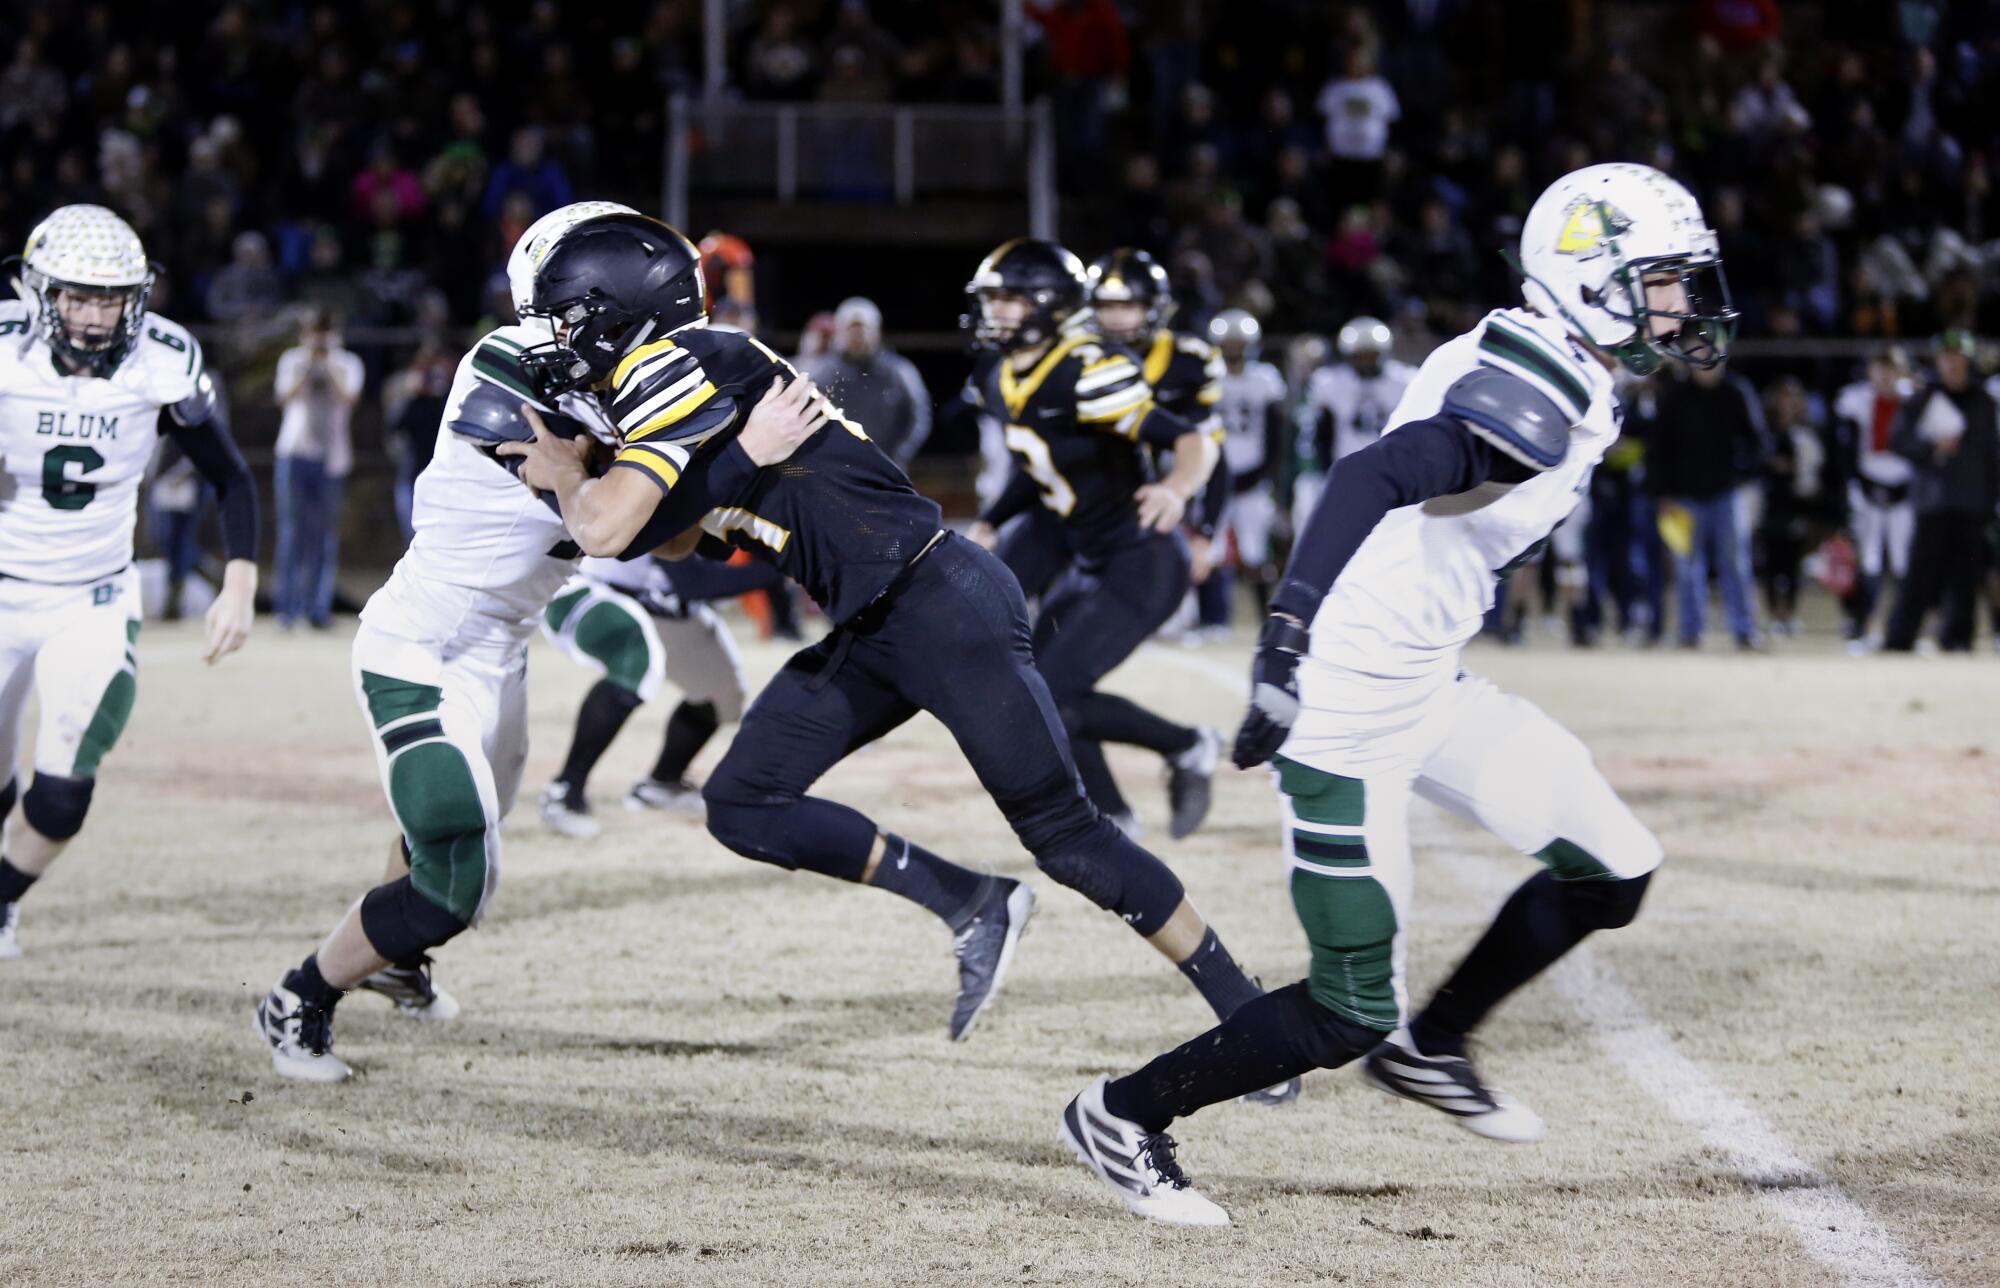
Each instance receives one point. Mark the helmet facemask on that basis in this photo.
(1040, 324)
(96, 351)
(1702, 332)
(587, 336)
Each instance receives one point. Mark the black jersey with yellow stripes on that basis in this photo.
(1186, 373)
(1075, 422)
(838, 517)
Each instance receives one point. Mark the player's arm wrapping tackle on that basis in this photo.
(668, 416)
(1493, 427)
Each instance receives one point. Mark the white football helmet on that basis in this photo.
(541, 236)
(1365, 335)
(1590, 241)
(1237, 334)
(89, 250)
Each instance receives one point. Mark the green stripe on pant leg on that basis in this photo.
(391, 699)
(1351, 924)
(562, 606)
(113, 710)
(437, 801)
(1571, 862)
(1317, 797)
(608, 633)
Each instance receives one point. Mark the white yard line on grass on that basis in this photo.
(1837, 1231)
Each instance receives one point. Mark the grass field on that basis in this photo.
(676, 1066)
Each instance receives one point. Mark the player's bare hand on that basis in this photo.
(235, 607)
(983, 534)
(783, 419)
(1201, 558)
(1160, 507)
(547, 460)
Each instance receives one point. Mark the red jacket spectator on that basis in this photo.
(1086, 37)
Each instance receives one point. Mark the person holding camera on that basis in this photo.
(318, 384)
(1948, 432)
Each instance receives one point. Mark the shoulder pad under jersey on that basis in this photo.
(1514, 416)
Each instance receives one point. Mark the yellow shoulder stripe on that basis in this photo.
(637, 356)
(674, 413)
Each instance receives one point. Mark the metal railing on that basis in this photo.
(890, 153)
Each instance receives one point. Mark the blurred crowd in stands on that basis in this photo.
(370, 165)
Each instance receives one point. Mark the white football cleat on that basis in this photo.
(300, 1038)
(1451, 1085)
(1136, 1165)
(560, 817)
(10, 922)
(411, 989)
(651, 793)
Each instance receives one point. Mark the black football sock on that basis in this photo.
(1273, 1039)
(1221, 981)
(1106, 717)
(689, 728)
(952, 892)
(310, 985)
(1095, 772)
(13, 882)
(1534, 927)
(605, 710)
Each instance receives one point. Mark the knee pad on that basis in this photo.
(55, 805)
(1108, 869)
(1605, 905)
(610, 635)
(8, 795)
(444, 826)
(402, 923)
(749, 830)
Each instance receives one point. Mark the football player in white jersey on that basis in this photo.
(1347, 406)
(636, 624)
(440, 670)
(85, 373)
(1359, 696)
(1253, 413)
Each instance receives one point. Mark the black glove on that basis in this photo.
(1274, 691)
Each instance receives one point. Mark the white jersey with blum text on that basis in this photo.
(1247, 398)
(1360, 406)
(488, 554)
(1423, 580)
(73, 448)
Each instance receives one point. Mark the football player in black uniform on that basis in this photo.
(924, 620)
(1080, 416)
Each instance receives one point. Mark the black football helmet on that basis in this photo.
(1131, 276)
(616, 281)
(1049, 276)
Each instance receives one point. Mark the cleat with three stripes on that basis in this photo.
(1449, 1084)
(1135, 1164)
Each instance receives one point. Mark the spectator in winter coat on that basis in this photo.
(1708, 431)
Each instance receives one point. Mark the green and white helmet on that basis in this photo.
(89, 250)
(1594, 236)
(534, 244)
